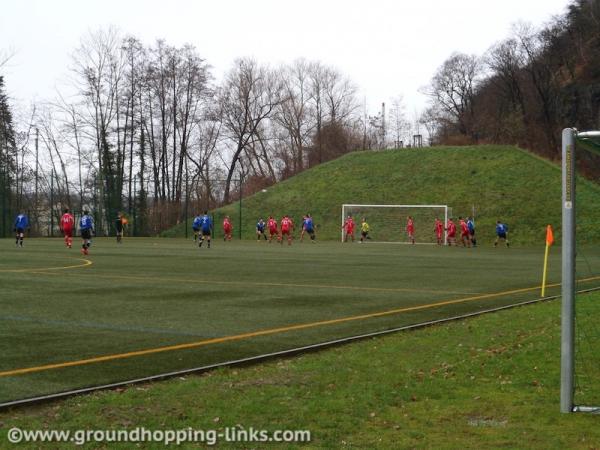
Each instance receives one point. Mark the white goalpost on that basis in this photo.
(388, 222)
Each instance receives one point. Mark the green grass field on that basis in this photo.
(152, 306)
(487, 382)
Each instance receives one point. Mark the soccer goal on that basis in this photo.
(387, 223)
(580, 332)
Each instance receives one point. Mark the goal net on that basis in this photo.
(388, 223)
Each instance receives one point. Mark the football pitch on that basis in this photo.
(153, 306)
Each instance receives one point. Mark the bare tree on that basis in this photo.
(149, 115)
(72, 126)
(506, 62)
(248, 97)
(193, 99)
(203, 148)
(296, 113)
(431, 120)
(340, 96)
(54, 140)
(333, 97)
(535, 48)
(160, 118)
(135, 66)
(398, 123)
(453, 89)
(98, 64)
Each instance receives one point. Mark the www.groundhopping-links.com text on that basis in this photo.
(166, 437)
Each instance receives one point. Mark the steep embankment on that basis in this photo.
(498, 182)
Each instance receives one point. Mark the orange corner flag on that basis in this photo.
(549, 236)
(549, 242)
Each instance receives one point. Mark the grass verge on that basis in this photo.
(487, 382)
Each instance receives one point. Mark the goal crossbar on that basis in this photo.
(392, 206)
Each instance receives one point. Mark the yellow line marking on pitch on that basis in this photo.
(54, 274)
(268, 331)
(265, 284)
(86, 262)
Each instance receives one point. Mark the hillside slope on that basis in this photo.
(499, 182)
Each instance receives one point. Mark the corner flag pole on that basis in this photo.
(549, 242)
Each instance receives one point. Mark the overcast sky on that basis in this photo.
(387, 47)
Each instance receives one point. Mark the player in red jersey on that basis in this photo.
(439, 230)
(287, 226)
(348, 228)
(451, 229)
(227, 228)
(272, 226)
(410, 229)
(67, 223)
(464, 232)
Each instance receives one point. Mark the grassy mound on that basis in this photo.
(500, 182)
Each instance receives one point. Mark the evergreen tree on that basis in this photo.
(7, 151)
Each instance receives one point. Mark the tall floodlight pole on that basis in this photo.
(241, 180)
(37, 168)
(240, 215)
(365, 123)
(51, 231)
(134, 210)
(383, 126)
(6, 189)
(4, 193)
(567, 364)
(187, 194)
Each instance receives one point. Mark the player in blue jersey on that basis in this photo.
(196, 226)
(206, 227)
(303, 228)
(21, 224)
(308, 227)
(260, 229)
(471, 228)
(501, 233)
(86, 228)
